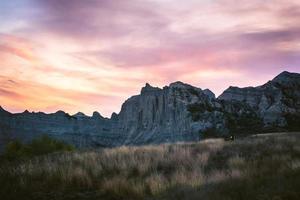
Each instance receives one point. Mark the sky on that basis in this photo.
(91, 55)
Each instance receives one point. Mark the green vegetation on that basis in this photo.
(244, 124)
(16, 150)
(193, 91)
(239, 117)
(254, 168)
(197, 109)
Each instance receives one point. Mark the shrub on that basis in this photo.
(244, 123)
(43, 145)
(293, 122)
(197, 109)
(210, 133)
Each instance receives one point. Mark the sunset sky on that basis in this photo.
(87, 55)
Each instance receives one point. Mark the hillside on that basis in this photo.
(257, 167)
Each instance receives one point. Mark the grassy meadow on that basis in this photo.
(265, 167)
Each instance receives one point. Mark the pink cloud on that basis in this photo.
(92, 55)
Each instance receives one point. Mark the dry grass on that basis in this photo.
(264, 167)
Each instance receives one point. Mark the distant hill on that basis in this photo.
(178, 112)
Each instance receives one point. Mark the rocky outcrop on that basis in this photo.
(273, 101)
(161, 115)
(80, 130)
(154, 116)
(178, 112)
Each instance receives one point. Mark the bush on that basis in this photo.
(40, 146)
(245, 123)
(210, 133)
(197, 109)
(293, 122)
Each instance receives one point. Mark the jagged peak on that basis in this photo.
(285, 73)
(79, 114)
(209, 93)
(114, 116)
(185, 86)
(179, 84)
(286, 76)
(148, 88)
(60, 112)
(26, 112)
(97, 115)
(283, 77)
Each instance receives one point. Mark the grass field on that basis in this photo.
(265, 167)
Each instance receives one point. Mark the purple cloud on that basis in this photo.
(96, 42)
(98, 20)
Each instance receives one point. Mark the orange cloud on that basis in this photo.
(17, 46)
(22, 95)
(67, 55)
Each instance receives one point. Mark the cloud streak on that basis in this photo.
(91, 55)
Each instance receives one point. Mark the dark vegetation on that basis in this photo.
(260, 167)
(240, 119)
(245, 123)
(293, 122)
(210, 133)
(17, 150)
(198, 109)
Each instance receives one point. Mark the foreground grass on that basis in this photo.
(264, 167)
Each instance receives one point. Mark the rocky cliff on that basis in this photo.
(161, 115)
(178, 112)
(276, 102)
(78, 129)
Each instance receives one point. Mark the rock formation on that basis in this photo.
(273, 101)
(161, 115)
(178, 112)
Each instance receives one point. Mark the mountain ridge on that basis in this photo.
(284, 73)
(177, 112)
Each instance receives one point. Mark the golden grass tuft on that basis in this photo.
(248, 168)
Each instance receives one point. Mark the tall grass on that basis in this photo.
(266, 167)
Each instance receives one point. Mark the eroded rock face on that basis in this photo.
(178, 112)
(80, 130)
(161, 115)
(155, 116)
(273, 100)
